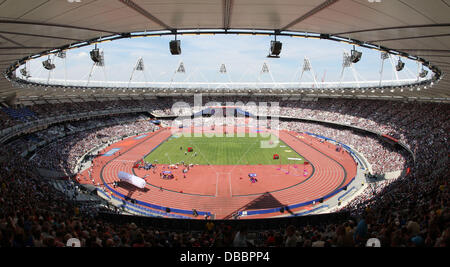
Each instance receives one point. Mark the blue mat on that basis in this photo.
(111, 152)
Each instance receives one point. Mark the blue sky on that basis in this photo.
(203, 55)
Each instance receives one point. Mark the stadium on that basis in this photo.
(162, 124)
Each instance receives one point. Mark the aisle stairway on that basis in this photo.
(71, 192)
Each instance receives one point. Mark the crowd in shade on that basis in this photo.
(54, 108)
(411, 211)
(6, 120)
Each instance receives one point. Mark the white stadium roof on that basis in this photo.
(417, 27)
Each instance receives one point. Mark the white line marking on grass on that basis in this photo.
(244, 154)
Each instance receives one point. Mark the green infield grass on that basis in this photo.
(223, 151)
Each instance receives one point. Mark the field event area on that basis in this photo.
(247, 149)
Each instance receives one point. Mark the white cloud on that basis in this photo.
(81, 55)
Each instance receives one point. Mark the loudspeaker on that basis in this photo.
(167, 210)
(175, 47)
(345, 188)
(95, 55)
(321, 200)
(282, 209)
(275, 47)
(400, 66)
(355, 56)
(48, 64)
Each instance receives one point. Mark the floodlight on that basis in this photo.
(140, 65)
(223, 69)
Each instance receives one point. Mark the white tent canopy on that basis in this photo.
(131, 179)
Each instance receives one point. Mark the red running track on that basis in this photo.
(222, 190)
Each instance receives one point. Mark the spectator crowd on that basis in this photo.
(410, 211)
(63, 154)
